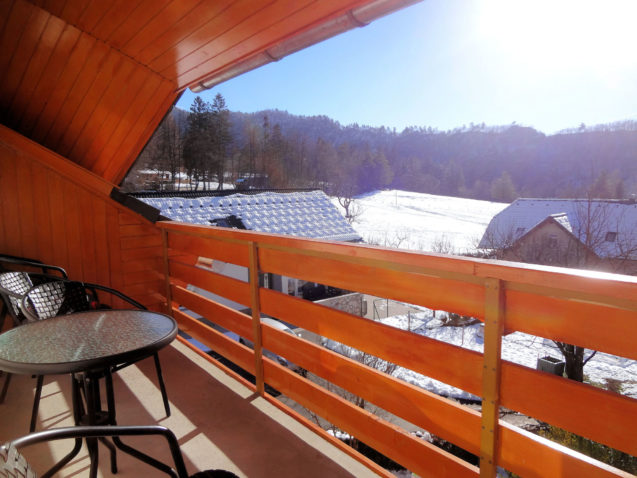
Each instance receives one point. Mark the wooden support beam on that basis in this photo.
(256, 318)
(493, 328)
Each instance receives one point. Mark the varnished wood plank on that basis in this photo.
(461, 368)
(574, 322)
(111, 80)
(74, 238)
(97, 85)
(145, 11)
(93, 14)
(116, 279)
(135, 230)
(22, 57)
(117, 110)
(59, 98)
(217, 250)
(232, 289)
(254, 33)
(5, 13)
(182, 28)
(17, 22)
(37, 65)
(136, 242)
(443, 417)
(141, 277)
(55, 163)
(116, 171)
(154, 32)
(50, 80)
(142, 253)
(87, 232)
(57, 214)
(432, 292)
(184, 52)
(563, 402)
(417, 455)
(230, 349)
(221, 315)
(82, 86)
(527, 454)
(73, 10)
(120, 11)
(152, 264)
(99, 207)
(26, 209)
(10, 196)
(120, 140)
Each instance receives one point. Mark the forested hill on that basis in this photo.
(484, 162)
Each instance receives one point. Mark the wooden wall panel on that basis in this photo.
(50, 213)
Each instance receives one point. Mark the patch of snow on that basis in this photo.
(425, 222)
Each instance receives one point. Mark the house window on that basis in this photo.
(611, 236)
(552, 242)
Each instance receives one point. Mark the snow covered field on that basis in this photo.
(424, 222)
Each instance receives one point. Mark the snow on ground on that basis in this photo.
(421, 221)
(517, 347)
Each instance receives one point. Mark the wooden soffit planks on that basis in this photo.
(91, 80)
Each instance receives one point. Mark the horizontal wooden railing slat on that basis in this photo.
(230, 349)
(429, 291)
(233, 289)
(233, 253)
(224, 316)
(607, 329)
(575, 406)
(451, 364)
(414, 453)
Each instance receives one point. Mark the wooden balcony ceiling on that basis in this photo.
(91, 80)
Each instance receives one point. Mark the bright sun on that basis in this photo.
(594, 37)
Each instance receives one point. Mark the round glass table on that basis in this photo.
(89, 346)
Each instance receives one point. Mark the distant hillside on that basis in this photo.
(497, 163)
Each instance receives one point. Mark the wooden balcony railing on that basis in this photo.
(596, 311)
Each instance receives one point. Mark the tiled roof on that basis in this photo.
(304, 214)
(579, 216)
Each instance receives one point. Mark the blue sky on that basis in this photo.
(447, 63)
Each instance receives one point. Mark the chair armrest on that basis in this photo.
(116, 293)
(107, 431)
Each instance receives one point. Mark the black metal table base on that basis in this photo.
(87, 410)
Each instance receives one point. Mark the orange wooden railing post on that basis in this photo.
(493, 327)
(256, 318)
(169, 295)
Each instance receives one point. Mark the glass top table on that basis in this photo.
(84, 341)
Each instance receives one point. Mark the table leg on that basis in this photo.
(78, 410)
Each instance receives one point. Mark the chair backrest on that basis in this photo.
(23, 264)
(13, 286)
(12, 463)
(57, 298)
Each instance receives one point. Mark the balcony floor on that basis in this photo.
(219, 424)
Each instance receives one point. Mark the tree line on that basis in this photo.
(212, 147)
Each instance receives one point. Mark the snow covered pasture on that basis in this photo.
(425, 222)
(517, 347)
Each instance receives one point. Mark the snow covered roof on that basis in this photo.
(608, 227)
(304, 214)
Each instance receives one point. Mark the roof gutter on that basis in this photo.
(354, 18)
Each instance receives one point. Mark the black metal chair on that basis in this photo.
(13, 463)
(51, 299)
(13, 285)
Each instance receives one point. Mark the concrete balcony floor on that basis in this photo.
(219, 424)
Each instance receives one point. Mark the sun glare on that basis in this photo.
(596, 37)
